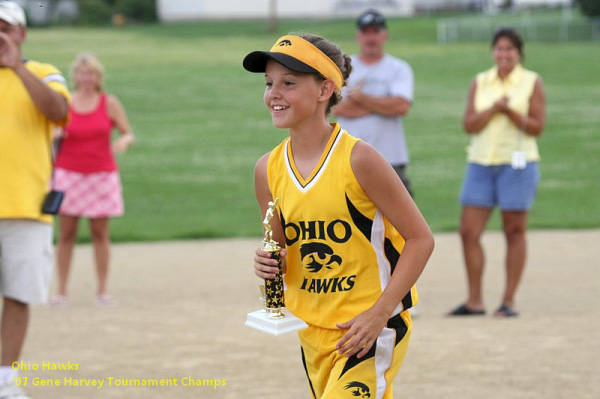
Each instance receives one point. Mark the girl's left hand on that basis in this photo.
(362, 333)
(122, 143)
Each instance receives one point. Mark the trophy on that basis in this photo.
(273, 318)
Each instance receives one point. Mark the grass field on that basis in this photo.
(201, 123)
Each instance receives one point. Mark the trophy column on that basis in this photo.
(273, 318)
(274, 299)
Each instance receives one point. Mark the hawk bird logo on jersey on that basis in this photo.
(358, 389)
(315, 254)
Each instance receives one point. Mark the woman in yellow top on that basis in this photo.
(355, 243)
(505, 114)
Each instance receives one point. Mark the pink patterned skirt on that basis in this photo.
(92, 195)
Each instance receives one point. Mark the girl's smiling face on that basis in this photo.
(291, 97)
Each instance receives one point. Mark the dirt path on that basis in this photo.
(183, 306)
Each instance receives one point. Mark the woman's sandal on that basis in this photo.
(463, 310)
(505, 311)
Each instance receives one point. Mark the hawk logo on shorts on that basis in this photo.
(285, 43)
(314, 256)
(358, 389)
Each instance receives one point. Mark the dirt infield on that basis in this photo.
(183, 306)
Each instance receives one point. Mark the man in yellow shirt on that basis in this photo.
(34, 98)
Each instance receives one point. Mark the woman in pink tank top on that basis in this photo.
(86, 170)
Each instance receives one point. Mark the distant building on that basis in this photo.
(178, 10)
(41, 12)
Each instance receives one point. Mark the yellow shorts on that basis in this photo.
(334, 376)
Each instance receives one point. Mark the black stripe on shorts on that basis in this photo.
(306, 370)
(354, 361)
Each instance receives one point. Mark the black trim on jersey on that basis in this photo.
(363, 223)
(407, 301)
(392, 255)
(306, 370)
(320, 166)
(354, 361)
(398, 324)
(282, 220)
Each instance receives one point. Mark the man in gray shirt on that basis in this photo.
(379, 93)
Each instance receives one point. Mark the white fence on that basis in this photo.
(534, 28)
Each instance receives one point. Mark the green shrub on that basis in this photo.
(100, 12)
(591, 8)
(94, 12)
(138, 10)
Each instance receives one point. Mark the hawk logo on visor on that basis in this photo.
(285, 43)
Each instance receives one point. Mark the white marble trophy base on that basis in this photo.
(261, 321)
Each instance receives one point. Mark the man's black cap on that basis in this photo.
(371, 18)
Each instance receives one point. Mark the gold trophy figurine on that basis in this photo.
(274, 300)
(273, 318)
(268, 239)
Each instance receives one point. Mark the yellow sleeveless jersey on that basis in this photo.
(341, 250)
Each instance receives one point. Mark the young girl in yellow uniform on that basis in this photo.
(355, 243)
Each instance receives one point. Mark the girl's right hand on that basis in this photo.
(265, 266)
